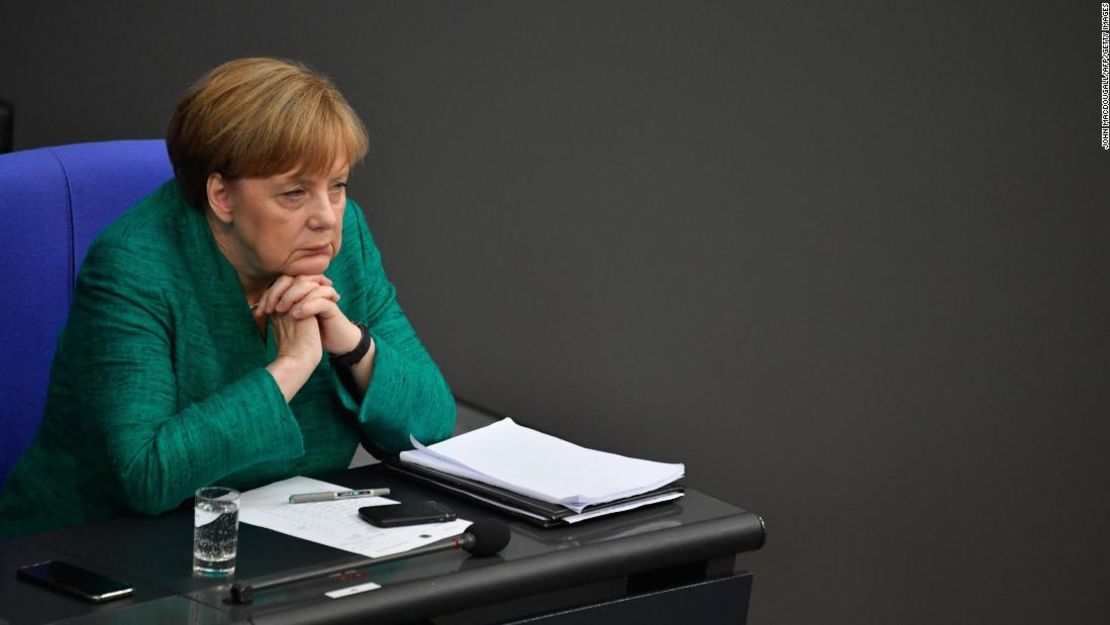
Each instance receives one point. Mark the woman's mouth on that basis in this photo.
(319, 249)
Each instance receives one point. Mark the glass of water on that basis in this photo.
(215, 531)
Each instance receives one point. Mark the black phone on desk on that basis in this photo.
(407, 513)
(72, 579)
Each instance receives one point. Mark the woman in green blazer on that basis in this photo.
(194, 352)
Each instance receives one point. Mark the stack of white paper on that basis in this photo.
(543, 467)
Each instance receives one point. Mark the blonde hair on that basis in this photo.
(260, 117)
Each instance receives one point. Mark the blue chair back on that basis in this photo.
(53, 203)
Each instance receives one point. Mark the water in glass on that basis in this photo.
(215, 531)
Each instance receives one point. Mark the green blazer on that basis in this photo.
(159, 385)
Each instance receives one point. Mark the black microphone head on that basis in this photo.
(489, 537)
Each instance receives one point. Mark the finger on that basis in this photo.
(270, 302)
(320, 308)
(259, 308)
(311, 291)
(276, 290)
(304, 310)
(323, 293)
(295, 293)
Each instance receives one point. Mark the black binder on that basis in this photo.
(529, 509)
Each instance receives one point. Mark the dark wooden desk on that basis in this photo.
(674, 562)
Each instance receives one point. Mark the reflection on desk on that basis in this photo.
(677, 556)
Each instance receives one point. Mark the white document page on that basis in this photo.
(632, 505)
(335, 523)
(547, 468)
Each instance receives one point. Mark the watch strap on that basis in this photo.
(352, 357)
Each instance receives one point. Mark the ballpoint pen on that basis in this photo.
(336, 496)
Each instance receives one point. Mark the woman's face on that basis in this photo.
(288, 224)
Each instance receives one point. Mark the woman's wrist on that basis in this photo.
(290, 374)
(348, 359)
(352, 336)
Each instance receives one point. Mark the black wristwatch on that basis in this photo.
(349, 359)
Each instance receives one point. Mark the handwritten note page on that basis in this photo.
(335, 523)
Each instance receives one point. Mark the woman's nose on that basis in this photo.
(323, 213)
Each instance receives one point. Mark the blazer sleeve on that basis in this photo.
(407, 393)
(120, 341)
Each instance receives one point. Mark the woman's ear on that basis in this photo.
(219, 197)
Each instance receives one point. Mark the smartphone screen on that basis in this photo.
(406, 513)
(75, 580)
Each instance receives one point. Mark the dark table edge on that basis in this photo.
(444, 594)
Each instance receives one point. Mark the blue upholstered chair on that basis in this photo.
(53, 202)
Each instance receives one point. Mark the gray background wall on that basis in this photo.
(848, 261)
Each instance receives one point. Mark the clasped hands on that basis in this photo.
(306, 319)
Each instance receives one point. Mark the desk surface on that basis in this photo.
(155, 555)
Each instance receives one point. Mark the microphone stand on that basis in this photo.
(243, 592)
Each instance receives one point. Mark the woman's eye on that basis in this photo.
(339, 186)
(294, 194)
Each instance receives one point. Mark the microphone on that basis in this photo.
(483, 538)
(480, 539)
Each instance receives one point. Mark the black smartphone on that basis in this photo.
(72, 579)
(406, 513)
